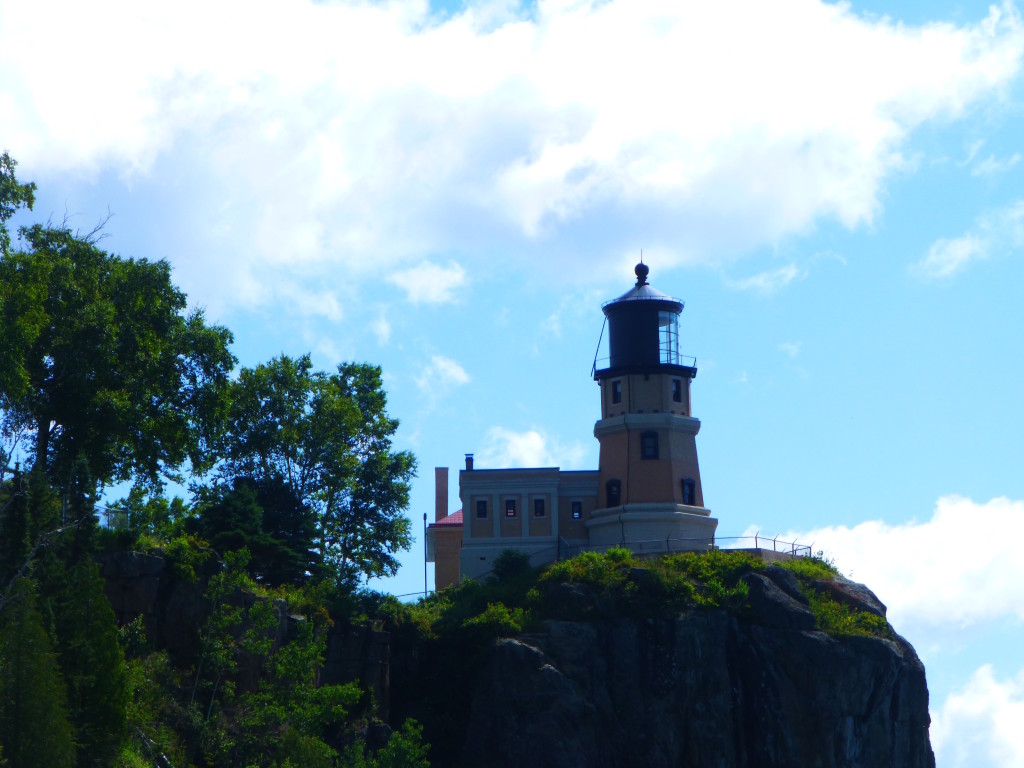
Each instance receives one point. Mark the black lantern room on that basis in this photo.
(643, 332)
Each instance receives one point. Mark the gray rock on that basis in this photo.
(771, 607)
(853, 594)
(704, 689)
(787, 581)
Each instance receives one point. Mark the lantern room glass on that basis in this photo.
(668, 337)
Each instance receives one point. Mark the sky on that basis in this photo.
(451, 190)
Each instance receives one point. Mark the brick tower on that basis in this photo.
(649, 489)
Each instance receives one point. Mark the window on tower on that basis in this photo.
(577, 510)
(616, 391)
(668, 337)
(614, 490)
(677, 390)
(648, 445)
(689, 492)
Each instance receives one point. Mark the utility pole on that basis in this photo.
(424, 555)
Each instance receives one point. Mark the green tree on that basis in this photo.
(71, 593)
(101, 367)
(327, 438)
(34, 727)
(15, 533)
(13, 195)
(268, 519)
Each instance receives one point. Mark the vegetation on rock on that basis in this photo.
(107, 377)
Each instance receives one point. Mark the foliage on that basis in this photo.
(838, 619)
(497, 621)
(405, 749)
(327, 438)
(186, 556)
(144, 516)
(106, 376)
(86, 638)
(15, 526)
(149, 677)
(269, 519)
(290, 703)
(510, 563)
(13, 195)
(101, 368)
(34, 727)
(811, 568)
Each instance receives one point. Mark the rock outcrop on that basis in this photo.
(706, 688)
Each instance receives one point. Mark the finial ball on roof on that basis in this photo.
(641, 273)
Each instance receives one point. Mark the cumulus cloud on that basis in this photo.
(533, 448)
(994, 231)
(978, 726)
(767, 283)
(911, 569)
(442, 375)
(379, 133)
(429, 283)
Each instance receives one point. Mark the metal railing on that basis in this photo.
(687, 361)
(563, 550)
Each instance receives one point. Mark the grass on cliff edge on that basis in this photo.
(616, 584)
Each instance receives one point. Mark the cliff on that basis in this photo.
(706, 688)
(619, 675)
(607, 661)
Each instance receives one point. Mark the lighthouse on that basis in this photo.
(646, 492)
(649, 493)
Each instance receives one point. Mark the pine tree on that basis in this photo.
(90, 656)
(34, 727)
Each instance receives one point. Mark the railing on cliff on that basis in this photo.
(762, 545)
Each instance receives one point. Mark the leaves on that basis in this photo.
(327, 440)
(103, 365)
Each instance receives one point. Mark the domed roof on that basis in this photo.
(643, 291)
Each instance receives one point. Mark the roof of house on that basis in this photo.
(455, 518)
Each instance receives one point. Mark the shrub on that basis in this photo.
(835, 618)
(497, 620)
(510, 563)
(811, 568)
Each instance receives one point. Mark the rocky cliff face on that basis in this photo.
(707, 688)
(751, 688)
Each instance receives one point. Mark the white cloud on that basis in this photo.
(992, 165)
(993, 231)
(429, 283)
(381, 327)
(767, 283)
(533, 448)
(791, 348)
(947, 257)
(917, 571)
(978, 726)
(442, 375)
(375, 134)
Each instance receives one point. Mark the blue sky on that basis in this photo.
(835, 191)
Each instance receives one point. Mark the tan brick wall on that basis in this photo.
(447, 544)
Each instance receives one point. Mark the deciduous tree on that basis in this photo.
(101, 365)
(326, 438)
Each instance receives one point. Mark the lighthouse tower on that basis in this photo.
(649, 492)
